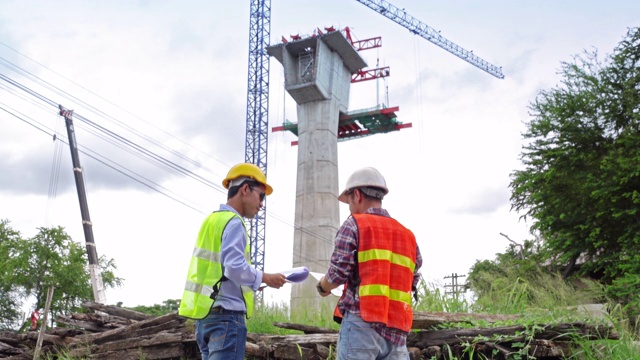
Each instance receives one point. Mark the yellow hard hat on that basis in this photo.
(249, 171)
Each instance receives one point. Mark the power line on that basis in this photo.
(116, 139)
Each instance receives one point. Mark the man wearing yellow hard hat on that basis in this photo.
(219, 290)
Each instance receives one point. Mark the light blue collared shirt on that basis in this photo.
(235, 266)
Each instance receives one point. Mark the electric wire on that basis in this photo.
(141, 134)
(270, 215)
(124, 141)
(106, 163)
(204, 181)
(168, 164)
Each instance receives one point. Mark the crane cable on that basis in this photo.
(418, 90)
(54, 177)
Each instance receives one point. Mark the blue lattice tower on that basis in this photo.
(257, 117)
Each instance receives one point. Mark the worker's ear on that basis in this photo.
(358, 195)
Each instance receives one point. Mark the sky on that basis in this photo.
(170, 78)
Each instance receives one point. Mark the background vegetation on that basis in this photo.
(30, 266)
(581, 181)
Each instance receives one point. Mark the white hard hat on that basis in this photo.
(365, 177)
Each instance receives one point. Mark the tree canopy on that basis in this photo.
(581, 179)
(51, 258)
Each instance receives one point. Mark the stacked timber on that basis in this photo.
(110, 332)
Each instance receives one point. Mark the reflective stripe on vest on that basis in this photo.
(386, 262)
(205, 269)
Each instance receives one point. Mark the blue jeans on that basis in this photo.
(222, 335)
(358, 340)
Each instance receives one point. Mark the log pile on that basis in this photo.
(115, 333)
(109, 333)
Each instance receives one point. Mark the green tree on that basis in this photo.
(50, 258)
(166, 307)
(581, 180)
(10, 302)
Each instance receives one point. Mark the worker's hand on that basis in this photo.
(274, 280)
(321, 289)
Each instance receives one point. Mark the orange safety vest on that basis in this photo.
(386, 263)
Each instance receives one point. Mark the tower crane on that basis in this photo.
(257, 117)
(258, 90)
(417, 27)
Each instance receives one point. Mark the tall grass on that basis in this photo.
(626, 348)
(265, 316)
(539, 296)
(544, 298)
(431, 298)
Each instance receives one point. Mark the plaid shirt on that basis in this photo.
(343, 268)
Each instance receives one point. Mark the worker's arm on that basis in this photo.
(343, 260)
(324, 287)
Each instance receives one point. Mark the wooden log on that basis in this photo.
(169, 351)
(81, 352)
(414, 353)
(10, 338)
(566, 332)
(302, 340)
(426, 338)
(255, 350)
(86, 325)
(307, 329)
(47, 338)
(66, 332)
(323, 351)
(432, 352)
(140, 332)
(502, 349)
(426, 320)
(541, 348)
(136, 329)
(292, 352)
(9, 349)
(117, 311)
(143, 341)
(114, 321)
(23, 356)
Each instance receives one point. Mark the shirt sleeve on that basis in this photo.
(343, 259)
(236, 267)
(416, 273)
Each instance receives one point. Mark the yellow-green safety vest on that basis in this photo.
(205, 269)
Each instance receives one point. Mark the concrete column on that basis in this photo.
(321, 90)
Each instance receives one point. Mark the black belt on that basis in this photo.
(221, 310)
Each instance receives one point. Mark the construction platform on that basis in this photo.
(358, 123)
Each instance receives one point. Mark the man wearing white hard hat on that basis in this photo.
(377, 259)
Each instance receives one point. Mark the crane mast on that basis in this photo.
(94, 267)
(417, 27)
(257, 116)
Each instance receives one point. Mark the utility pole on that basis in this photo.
(94, 268)
(455, 288)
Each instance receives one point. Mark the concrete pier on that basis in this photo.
(318, 77)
